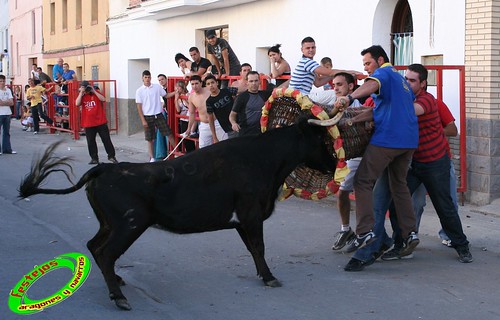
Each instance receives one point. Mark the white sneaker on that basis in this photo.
(152, 160)
(446, 243)
(36, 132)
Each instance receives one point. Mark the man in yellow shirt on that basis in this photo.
(34, 94)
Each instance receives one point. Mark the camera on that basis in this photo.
(88, 89)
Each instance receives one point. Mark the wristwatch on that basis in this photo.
(350, 99)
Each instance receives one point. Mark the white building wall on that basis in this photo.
(251, 26)
(341, 30)
(448, 40)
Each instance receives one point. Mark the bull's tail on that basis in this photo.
(46, 164)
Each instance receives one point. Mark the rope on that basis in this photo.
(175, 148)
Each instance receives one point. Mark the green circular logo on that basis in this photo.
(20, 303)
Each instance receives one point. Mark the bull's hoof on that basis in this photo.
(273, 283)
(123, 304)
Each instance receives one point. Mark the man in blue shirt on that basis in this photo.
(58, 68)
(391, 148)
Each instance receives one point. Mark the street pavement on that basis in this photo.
(212, 275)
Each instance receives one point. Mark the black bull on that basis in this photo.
(232, 184)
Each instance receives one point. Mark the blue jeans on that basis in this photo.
(18, 109)
(381, 201)
(5, 128)
(58, 109)
(435, 176)
(419, 202)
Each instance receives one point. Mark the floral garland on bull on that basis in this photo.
(281, 109)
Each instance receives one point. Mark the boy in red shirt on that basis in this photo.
(93, 119)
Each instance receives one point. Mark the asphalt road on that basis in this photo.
(212, 276)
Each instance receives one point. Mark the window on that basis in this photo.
(78, 21)
(52, 18)
(95, 72)
(436, 60)
(220, 31)
(94, 11)
(33, 27)
(402, 34)
(65, 15)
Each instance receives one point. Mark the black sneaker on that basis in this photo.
(395, 254)
(350, 246)
(464, 254)
(356, 265)
(113, 160)
(361, 241)
(381, 251)
(342, 238)
(410, 244)
(94, 161)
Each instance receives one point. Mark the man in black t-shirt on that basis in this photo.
(247, 109)
(200, 65)
(220, 104)
(225, 59)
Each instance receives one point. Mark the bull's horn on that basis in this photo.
(343, 104)
(328, 122)
(334, 112)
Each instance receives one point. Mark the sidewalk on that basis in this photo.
(480, 224)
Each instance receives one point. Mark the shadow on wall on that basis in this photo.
(128, 116)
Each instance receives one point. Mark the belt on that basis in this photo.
(154, 116)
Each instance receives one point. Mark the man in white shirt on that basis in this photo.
(6, 101)
(149, 106)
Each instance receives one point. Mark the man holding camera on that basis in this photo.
(93, 119)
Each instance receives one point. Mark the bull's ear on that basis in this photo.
(327, 123)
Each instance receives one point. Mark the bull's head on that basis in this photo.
(319, 156)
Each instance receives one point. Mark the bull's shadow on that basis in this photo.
(232, 184)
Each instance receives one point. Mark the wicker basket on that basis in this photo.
(282, 109)
(355, 137)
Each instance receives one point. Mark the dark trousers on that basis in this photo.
(375, 161)
(103, 131)
(36, 113)
(435, 176)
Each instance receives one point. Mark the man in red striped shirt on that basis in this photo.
(431, 164)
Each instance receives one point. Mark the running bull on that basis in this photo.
(236, 183)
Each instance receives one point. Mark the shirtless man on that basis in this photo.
(242, 83)
(197, 104)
